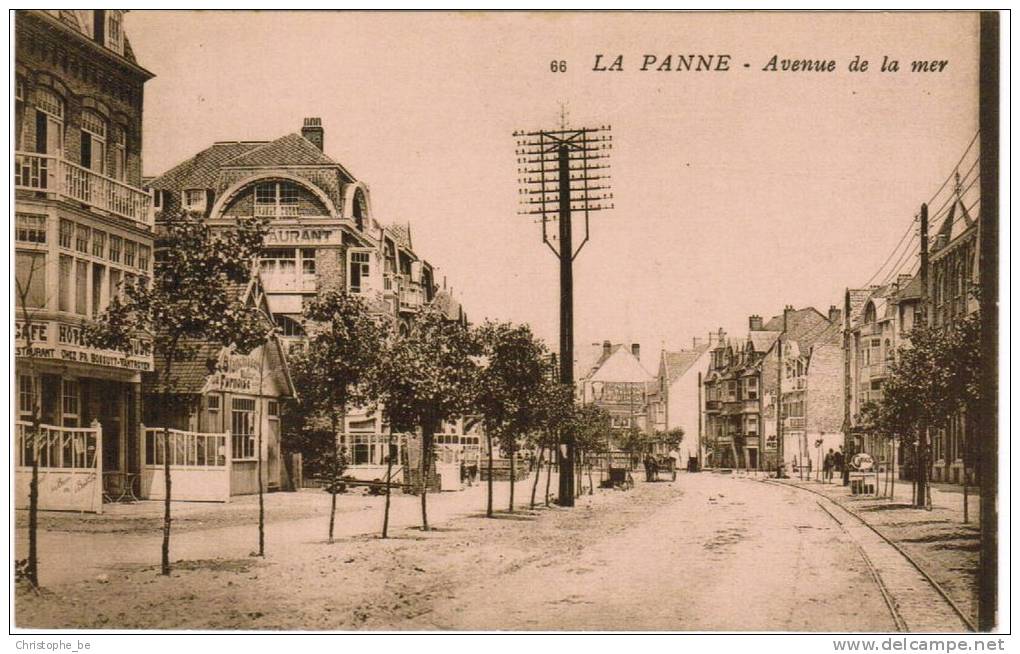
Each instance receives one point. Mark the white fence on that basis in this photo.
(199, 465)
(70, 466)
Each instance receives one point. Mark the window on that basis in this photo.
(81, 287)
(114, 33)
(194, 200)
(27, 396)
(70, 399)
(93, 141)
(308, 262)
(81, 238)
(98, 272)
(49, 122)
(278, 261)
(265, 193)
(289, 326)
(66, 230)
(98, 243)
(30, 228)
(30, 273)
(242, 428)
(130, 247)
(360, 270)
(143, 257)
(119, 149)
(115, 246)
(212, 402)
(752, 388)
(288, 193)
(64, 283)
(731, 391)
(114, 283)
(157, 199)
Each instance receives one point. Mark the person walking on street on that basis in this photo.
(827, 466)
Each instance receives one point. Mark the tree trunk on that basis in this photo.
(513, 475)
(538, 473)
(548, 477)
(921, 496)
(258, 426)
(389, 480)
(591, 482)
(488, 504)
(165, 560)
(334, 474)
(426, 454)
(33, 517)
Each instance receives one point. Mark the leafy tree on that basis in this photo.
(591, 426)
(634, 442)
(331, 373)
(191, 298)
(424, 378)
(507, 391)
(555, 405)
(670, 438)
(930, 380)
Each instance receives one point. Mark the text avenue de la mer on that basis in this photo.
(718, 63)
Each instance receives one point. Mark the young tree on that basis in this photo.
(191, 298)
(591, 429)
(331, 373)
(555, 408)
(29, 303)
(509, 382)
(424, 378)
(931, 379)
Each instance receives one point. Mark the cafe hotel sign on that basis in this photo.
(64, 342)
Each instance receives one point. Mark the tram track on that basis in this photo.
(900, 578)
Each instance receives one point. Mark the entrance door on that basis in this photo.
(752, 458)
(109, 412)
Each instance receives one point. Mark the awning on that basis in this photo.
(284, 304)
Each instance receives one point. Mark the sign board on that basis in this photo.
(302, 236)
(237, 373)
(63, 341)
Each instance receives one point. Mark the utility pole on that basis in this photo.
(921, 465)
(780, 450)
(562, 171)
(701, 409)
(988, 267)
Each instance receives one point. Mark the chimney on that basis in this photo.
(786, 316)
(312, 130)
(607, 347)
(721, 336)
(835, 315)
(635, 349)
(754, 323)
(696, 340)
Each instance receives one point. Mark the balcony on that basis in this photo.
(410, 295)
(276, 210)
(798, 422)
(712, 405)
(50, 174)
(288, 282)
(876, 370)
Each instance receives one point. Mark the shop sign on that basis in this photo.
(303, 236)
(771, 442)
(236, 373)
(70, 346)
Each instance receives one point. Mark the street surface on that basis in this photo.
(709, 552)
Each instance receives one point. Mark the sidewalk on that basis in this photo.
(75, 547)
(938, 540)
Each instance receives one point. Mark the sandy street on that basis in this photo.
(708, 552)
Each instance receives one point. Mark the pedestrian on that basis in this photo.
(827, 466)
(674, 456)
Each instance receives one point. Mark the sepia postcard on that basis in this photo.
(507, 321)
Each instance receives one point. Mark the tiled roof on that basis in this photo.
(401, 234)
(858, 298)
(446, 303)
(202, 170)
(621, 366)
(957, 222)
(289, 150)
(761, 341)
(677, 363)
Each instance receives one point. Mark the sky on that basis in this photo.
(736, 192)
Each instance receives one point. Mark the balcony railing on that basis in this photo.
(276, 211)
(50, 174)
(879, 369)
(411, 296)
(795, 422)
(713, 405)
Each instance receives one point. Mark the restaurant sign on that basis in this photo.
(303, 236)
(62, 341)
